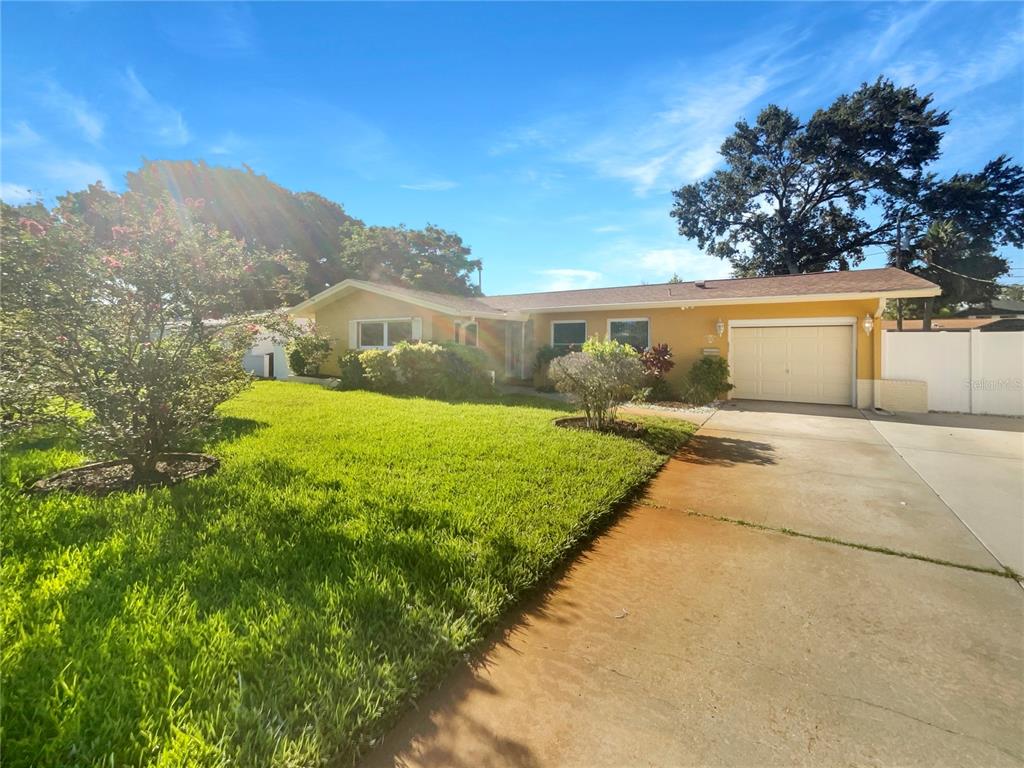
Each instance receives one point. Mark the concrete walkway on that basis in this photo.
(680, 638)
(976, 466)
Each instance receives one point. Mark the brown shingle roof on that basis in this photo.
(467, 304)
(868, 281)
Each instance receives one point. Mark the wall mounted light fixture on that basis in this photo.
(719, 328)
(868, 324)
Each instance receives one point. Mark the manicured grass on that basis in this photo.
(285, 610)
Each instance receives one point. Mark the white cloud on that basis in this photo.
(687, 263)
(546, 133)
(68, 174)
(992, 63)
(20, 137)
(569, 279)
(164, 121)
(213, 30)
(679, 142)
(16, 194)
(438, 185)
(81, 113)
(228, 144)
(607, 228)
(900, 29)
(656, 132)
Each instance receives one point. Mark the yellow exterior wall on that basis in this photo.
(332, 320)
(687, 331)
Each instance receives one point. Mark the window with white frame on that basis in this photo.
(568, 334)
(381, 334)
(635, 331)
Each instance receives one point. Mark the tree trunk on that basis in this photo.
(144, 468)
(926, 314)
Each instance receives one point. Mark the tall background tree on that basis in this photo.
(811, 196)
(431, 259)
(332, 244)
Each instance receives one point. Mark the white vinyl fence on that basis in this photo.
(966, 371)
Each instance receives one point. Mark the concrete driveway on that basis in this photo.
(778, 597)
(976, 466)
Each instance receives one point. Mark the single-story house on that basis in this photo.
(812, 338)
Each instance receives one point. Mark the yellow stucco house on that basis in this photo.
(812, 338)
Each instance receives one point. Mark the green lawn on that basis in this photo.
(284, 610)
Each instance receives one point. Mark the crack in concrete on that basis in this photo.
(1002, 572)
(838, 695)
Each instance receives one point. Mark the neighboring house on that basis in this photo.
(801, 338)
(997, 308)
(267, 359)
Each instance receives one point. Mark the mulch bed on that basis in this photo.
(103, 477)
(617, 427)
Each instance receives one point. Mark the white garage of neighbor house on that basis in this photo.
(267, 359)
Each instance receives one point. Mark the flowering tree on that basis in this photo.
(599, 378)
(132, 310)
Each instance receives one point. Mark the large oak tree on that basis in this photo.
(810, 196)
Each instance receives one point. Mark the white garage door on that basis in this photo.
(800, 364)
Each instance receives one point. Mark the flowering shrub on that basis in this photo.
(131, 310)
(599, 378)
(657, 362)
(308, 351)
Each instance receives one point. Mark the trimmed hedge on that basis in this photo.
(447, 372)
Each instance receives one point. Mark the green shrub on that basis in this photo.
(419, 368)
(351, 376)
(307, 352)
(599, 378)
(707, 380)
(427, 370)
(541, 366)
(378, 370)
(657, 390)
(475, 356)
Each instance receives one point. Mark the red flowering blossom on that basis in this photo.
(33, 228)
(112, 263)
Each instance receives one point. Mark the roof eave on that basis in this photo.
(313, 302)
(910, 293)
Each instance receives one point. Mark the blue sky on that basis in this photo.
(548, 135)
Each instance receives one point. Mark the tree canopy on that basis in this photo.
(132, 310)
(431, 259)
(811, 196)
(331, 244)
